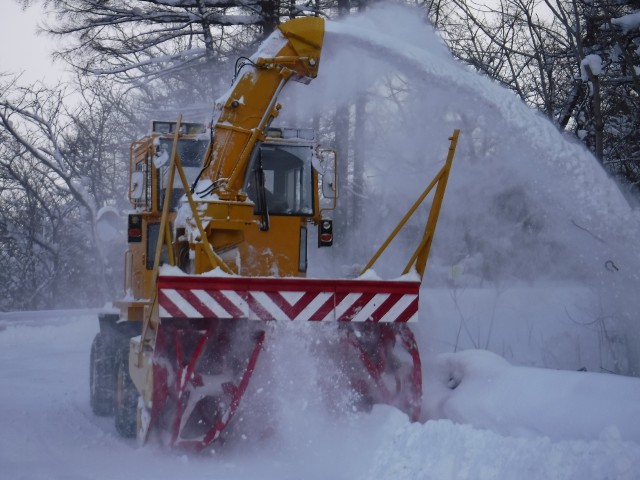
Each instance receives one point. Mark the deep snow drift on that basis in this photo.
(49, 432)
(484, 390)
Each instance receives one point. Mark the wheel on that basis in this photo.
(126, 396)
(101, 376)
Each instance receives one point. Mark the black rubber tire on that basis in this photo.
(101, 376)
(126, 396)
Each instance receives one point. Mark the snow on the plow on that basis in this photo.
(49, 432)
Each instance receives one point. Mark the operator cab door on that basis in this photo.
(280, 182)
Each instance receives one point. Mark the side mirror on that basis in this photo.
(136, 189)
(328, 172)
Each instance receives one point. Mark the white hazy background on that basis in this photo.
(24, 51)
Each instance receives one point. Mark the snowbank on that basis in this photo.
(484, 390)
(49, 432)
(442, 450)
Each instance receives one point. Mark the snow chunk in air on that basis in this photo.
(594, 62)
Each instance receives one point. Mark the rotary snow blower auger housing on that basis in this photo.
(218, 249)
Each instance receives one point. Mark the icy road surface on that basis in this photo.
(49, 432)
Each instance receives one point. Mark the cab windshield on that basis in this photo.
(288, 185)
(191, 151)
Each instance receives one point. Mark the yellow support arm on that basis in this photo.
(421, 254)
(292, 52)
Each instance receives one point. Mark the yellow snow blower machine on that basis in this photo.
(218, 250)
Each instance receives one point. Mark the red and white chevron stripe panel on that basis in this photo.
(288, 299)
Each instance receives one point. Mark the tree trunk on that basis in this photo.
(270, 10)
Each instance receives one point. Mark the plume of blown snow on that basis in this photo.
(525, 203)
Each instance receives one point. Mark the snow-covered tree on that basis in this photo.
(577, 61)
(145, 39)
(58, 168)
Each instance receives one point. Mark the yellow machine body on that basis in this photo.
(218, 241)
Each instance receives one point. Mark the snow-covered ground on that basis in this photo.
(516, 423)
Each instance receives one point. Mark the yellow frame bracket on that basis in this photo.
(175, 164)
(421, 254)
(164, 236)
(214, 259)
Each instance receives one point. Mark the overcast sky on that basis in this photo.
(21, 49)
